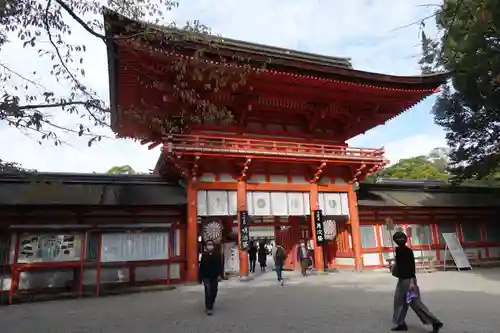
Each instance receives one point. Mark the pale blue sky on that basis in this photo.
(360, 29)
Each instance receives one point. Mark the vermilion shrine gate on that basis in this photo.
(282, 157)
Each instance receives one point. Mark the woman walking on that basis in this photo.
(407, 291)
(262, 254)
(252, 256)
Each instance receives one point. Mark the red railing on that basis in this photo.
(232, 146)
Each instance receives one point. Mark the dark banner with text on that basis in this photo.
(318, 225)
(244, 230)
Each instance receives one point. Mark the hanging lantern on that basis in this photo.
(330, 229)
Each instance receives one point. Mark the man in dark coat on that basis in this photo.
(252, 256)
(211, 272)
(303, 257)
(279, 257)
(407, 292)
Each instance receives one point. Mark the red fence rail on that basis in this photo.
(215, 145)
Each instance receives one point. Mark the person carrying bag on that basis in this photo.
(407, 292)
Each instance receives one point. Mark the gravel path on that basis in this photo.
(339, 302)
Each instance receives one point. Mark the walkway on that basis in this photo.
(341, 302)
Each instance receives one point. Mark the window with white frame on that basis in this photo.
(493, 232)
(387, 234)
(471, 231)
(421, 234)
(444, 228)
(368, 240)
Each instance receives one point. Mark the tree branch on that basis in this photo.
(79, 20)
(91, 103)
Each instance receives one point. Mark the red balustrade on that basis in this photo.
(234, 146)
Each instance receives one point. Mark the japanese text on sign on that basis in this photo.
(318, 225)
(244, 230)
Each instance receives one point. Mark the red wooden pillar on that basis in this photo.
(318, 249)
(241, 198)
(192, 234)
(355, 229)
(14, 271)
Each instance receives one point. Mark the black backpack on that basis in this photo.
(280, 254)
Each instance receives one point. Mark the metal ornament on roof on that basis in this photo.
(212, 230)
(330, 229)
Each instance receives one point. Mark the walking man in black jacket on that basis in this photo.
(211, 272)
(407, 292)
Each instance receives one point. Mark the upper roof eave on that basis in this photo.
(323, 65)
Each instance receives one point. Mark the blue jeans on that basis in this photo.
(279, 272)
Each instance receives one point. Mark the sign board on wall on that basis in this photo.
(244, 230)
(118, 247)
(231, 258)
(49, 248)
(318, 225)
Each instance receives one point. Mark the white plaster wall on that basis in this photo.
(45, 279)
(157, 272)
(108, 275)
(207, 177)
(278, 179)
(225, 177)
(371, 259)
(5, 282)
(324, 180)
(299, 180)
(257, 179)
(345, 261)
(472, 250)
(339, 181)
(13, 239)
(61, 278)
(424, 253)
(417, 253)
(494, 252)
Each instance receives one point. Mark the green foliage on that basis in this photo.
(12, 167)
(469, 107)
(121, 170)
(433, 166)
(46, 26)
(420, 167)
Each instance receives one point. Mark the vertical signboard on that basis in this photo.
(244, 230)
(318, 225)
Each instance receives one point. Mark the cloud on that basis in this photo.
(416, 145)
(360, 29)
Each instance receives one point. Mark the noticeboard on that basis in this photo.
(318, 226)
(244, 230)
